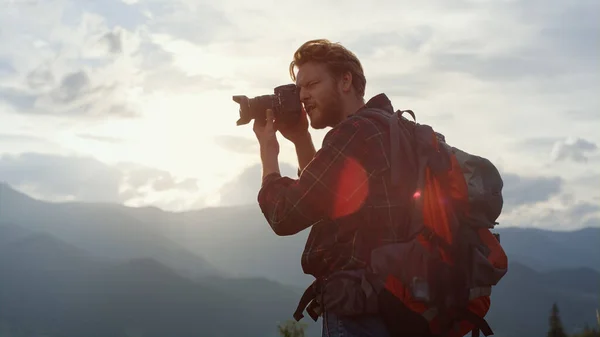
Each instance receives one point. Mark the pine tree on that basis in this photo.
(556, 328)
(292, 329)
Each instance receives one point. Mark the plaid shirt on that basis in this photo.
(345, 194)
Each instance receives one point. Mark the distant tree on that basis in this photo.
(556, 328)
(589, 332)
(292, 329)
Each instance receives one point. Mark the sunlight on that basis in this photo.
(110, 104)
(178, 134)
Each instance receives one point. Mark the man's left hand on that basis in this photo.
(266, 135)
(269, 146)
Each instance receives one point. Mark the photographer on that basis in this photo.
(343, 191)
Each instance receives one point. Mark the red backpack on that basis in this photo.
(438, 281)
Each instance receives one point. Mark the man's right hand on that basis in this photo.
(296, 133)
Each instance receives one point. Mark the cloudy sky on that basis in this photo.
(130, 101)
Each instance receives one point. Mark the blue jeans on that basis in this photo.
(343, 326)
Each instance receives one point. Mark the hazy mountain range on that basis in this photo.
(74, 269)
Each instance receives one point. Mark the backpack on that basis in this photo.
(438, 281)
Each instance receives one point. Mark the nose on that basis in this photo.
(304, 96)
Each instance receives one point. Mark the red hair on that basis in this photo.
(336, 57)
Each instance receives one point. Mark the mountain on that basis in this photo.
(11, 231)
(105, 230)
(68, 269)
(237, 241)
(544, 250)
(240, 242)
(50, 288)
(521, 302)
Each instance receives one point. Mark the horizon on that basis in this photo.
(247, 205)
(129, 102)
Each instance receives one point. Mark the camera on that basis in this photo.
(285, 103)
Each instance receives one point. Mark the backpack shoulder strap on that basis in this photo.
(399, 133)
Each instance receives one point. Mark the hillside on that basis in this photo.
(194, 243)
(237, 241)
(545, 250)
(49, 286)
(69, 269)
(521, 302)
(105, 230)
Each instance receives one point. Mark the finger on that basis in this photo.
(269, 115)
(277, 125)
(270, 118)
(256, 126)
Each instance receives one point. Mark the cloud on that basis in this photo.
(568, 27)
(411, 84)
(85, 179)
(170, 78)
(237, 144)
(519, 191)
(15, 143)
(554, 153)
(197, 22)
(589, 179)
(584, 115)
(6, 68)
(244, 188)
(556, 217)
(68, 69)
(91, 59)
(40, 77)
(74, 96)
(137, 177)
(113, 42)
(550, 202)
(555, 42)
(105, 139)
(411, 39)
(7, 137)
(512, 81)
(522, 191)
(575, 149)
(535, 144)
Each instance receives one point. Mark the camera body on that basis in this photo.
(285, 103)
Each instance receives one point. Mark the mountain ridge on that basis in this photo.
(238, 240)
(7, 190)
(143, 286)
(146, 295)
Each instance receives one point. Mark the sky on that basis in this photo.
(130, 101)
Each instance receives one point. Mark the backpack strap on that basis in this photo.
(310, 302)
(395, 148)
(402, 134)
(396, 123)
(396, 138)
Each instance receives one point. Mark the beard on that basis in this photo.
(330, 111)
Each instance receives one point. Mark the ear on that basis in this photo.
(346, 82)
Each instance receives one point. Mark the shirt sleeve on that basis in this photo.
(334, 184)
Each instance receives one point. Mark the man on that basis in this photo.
(343, 191)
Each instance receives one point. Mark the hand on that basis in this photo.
(266, 135)
(296, 132)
